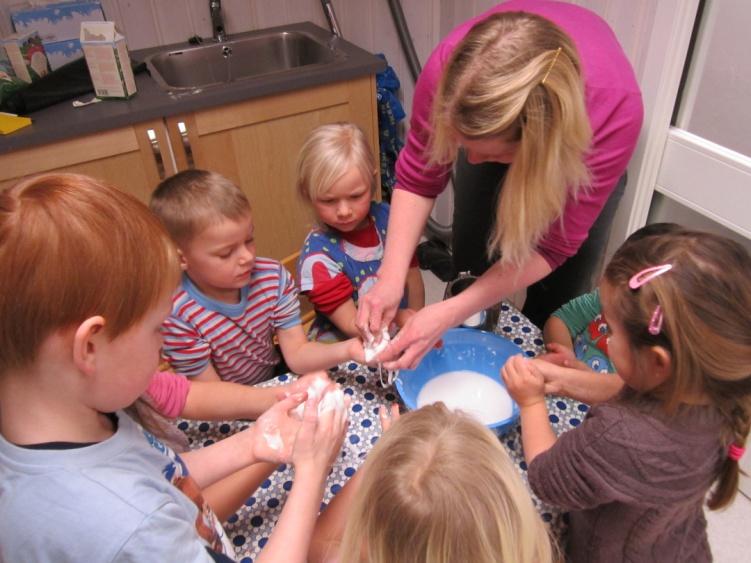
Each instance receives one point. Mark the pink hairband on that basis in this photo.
(735, 453)
(643, 277)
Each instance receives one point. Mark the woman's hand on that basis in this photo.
(378, 307)
(524, 382)
(416, 338)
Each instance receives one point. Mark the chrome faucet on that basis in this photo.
(217, 22)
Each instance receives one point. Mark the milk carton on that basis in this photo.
(27, 56)
(108, 60)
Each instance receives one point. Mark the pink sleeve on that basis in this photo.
(168, 392)
(412, 173)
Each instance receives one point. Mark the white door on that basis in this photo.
(694, 164)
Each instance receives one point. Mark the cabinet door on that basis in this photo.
(255, 144)
(133, 158)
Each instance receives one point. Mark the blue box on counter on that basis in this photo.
(59, 21)
(60, 53)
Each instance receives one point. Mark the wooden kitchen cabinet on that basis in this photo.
(255, 143)
(134, 158)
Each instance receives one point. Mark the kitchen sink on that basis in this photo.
(245, 56)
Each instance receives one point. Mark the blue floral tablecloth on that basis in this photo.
(251, 526)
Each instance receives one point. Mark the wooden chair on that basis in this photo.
(306, 308)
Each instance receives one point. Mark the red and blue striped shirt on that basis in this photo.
(236, 338)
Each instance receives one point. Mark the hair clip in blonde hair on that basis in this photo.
(552, 64)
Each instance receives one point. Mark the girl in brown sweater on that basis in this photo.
(637, 471)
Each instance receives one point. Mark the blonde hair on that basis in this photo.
(71, 248)
(192, 200)
(706, 305)
(438, 487)
(328, 152)
(507, 79)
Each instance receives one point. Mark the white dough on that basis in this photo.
(477, 395)
(372, 349)
(333, 400)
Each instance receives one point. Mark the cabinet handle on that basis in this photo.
(182, 128)
(154, 142)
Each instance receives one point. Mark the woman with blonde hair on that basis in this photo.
(437, 487)
(538, 106)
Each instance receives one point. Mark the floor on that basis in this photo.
(729, 530)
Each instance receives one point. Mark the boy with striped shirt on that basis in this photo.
(231, 303)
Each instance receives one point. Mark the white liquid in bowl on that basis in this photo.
(477, 395)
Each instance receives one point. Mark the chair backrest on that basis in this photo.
(306, 308)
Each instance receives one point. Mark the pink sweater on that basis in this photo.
(168, 393)
(613, 103)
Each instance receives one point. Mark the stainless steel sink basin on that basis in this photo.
(242, 57)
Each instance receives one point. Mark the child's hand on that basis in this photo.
(356, 350)
(554, 375)
(320, 437)
(524, 382)
(562, 356)
(312, 379)
(388, 416)
(275, 431)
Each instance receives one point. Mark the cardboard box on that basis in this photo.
(60, 53)
(107, 58)
(59, 21)
(26, 54)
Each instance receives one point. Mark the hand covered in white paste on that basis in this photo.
(320, 436)
(316, 379)
(275, 430)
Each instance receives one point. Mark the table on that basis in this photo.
(251, 526)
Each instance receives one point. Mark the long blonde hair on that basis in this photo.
(437, 488)
(705, 300)
(517, 77)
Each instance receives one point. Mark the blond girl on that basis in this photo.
(436, 488)
(539, 108)
(341, 256)
(636, 473)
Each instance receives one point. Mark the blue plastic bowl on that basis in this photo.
(463, 349)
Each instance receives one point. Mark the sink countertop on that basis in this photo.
(63, 121)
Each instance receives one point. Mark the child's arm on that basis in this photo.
(271, 439)
(556, 331)
(317, 444)
(343, 318)
(303, 355)
(579, 383)
(526, 386)
(175, 395)
(415, 289)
